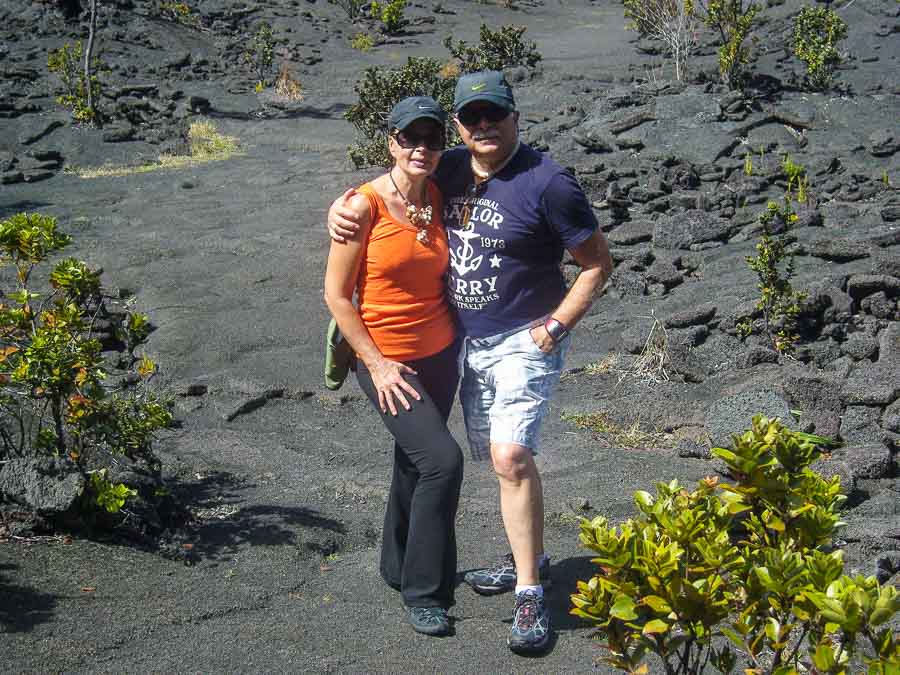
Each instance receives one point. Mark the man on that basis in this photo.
(509, 212)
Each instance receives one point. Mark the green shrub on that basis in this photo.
(179, 12)
(747, 567)
(379, 90)
(733, 20)
(389, 13)
(68, 64)
(495, 50)
(53, 398)
(779, 303)
(817, 31)
(362, 42)
(260, 54)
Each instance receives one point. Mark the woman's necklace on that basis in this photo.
(419, 216)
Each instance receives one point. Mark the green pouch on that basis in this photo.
(338, 356)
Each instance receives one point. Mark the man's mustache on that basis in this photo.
(484, 136)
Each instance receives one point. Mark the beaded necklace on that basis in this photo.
(419, 216)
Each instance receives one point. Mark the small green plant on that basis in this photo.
(495, 50)
(797, 179)
(748, 164)
(746, 568)
(260, 54)
(179, 12)
(53, 399)
(67, 63)
(817, 31)
(733, 20)
(779, 303)
(389, 13)
(109, 496)
(378, 92)
(672, 22)
(885, 180)
(353, 8)
(362, 42)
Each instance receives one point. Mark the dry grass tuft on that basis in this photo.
(652, 363)
(287, 86)
(614, 436)
(604, 366)
(207, 145)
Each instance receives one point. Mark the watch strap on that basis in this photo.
(557, 330)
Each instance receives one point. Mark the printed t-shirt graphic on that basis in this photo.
(504, 262)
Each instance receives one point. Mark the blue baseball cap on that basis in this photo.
(485, 85)
(413, 108)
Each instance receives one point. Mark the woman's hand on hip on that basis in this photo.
(387, 376)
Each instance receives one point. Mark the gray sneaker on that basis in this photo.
(428, 620)
(501, 577)
(530, 631)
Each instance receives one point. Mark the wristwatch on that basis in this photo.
(555, 329)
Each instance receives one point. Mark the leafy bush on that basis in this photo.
(495, 50)
(379, 90)
(749, 563)
(52, 394)
(260, 54)
(779, 303)
(672, 22)
(817, 31)
(389, 13)
(179, 12)
(362, 42)
(733, 20)
(68, 64)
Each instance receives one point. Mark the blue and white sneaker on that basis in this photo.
(530, 631)
(501, 577)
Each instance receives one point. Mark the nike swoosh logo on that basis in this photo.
(424, 107)
(479, 87)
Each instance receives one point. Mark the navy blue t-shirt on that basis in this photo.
(505, 268)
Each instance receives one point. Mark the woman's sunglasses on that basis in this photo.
(432, 140)
(470, 117)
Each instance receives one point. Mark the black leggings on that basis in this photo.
(418, 551)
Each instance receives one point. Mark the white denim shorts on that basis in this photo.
(507, 382)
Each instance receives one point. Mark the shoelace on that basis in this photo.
(526, 611)
(432, 614)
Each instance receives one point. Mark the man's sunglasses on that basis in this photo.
(432, 140)
(470, 117)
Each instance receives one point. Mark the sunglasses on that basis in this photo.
(470, 117)
(431, 140)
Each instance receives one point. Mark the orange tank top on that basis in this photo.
(401, 285)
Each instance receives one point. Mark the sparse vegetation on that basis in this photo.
(53, 399)
(390, 14)
(779, 303)
(179, 12)
(616, 436)
(495, 50)
(353, 8)
(672, 22)
(748, 164)
(733, 20)
(653, 362)
(80, 91)
(817, 31)
(287, 86)
(362, 42)
(207, 144)
(743, 568)
(260, 54)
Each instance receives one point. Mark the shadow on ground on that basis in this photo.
(223, 520)
(22, 607)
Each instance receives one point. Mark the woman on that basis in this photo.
(404, 336)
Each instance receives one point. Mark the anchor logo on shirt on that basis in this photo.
(461, 257)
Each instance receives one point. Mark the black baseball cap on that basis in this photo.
(413, 108)
(485, 85)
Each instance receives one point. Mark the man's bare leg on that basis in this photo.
(522, 507)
